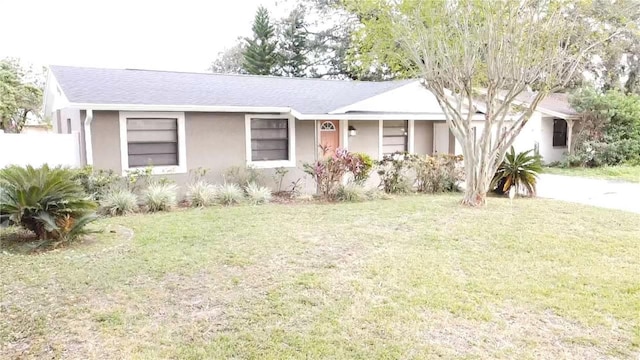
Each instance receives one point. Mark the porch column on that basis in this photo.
(344, 134)
(569, 135)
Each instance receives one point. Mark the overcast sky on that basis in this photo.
(181, 35)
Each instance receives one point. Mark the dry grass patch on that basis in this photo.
(413, 277)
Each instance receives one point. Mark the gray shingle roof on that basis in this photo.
(557, 102)
(147, 87)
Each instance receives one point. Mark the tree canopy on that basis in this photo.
(260, 55)
(19, 95)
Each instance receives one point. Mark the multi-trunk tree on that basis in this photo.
(476, 52)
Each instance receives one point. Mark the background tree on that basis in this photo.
(616, 64)
(321, 46)
(20, 95)
(472, 50)
(292, 45)
(610, 128)
(230, 61)
(260, 55)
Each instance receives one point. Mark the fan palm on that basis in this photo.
(519, 170)
(46, 201)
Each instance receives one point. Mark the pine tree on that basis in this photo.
(293, 49)
(260, 54)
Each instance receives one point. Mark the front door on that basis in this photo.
(440, 138)
(330, 135)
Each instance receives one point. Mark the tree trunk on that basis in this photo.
(477, 184)
(479, 167)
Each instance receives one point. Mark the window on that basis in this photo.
(394, 136)
(270, 141)
(559, 132)
(68, 126)
(153, 139)
(152, 142)
(327, 126)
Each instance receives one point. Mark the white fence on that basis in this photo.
(40, 148)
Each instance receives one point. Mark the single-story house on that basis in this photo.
(179, 121)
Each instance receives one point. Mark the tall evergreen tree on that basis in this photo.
(260, 55)
(293, 49)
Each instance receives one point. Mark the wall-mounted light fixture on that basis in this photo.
(352, 131)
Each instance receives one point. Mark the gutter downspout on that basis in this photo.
(88, 148)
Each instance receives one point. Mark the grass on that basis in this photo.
(414, 277)
(626, 173)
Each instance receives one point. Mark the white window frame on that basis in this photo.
(181, 168)
(268, 164)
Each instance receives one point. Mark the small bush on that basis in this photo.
(201, 194)
(366, 165)
(393, 169)
(160, 196)
(243, 176)
(352, 193)
(331, 170)
(46, 201)
(519, 170)
(119, 202)
(96, 183)
(258, 194)
(229, 194)
(436, 174)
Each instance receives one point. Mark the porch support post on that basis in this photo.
(411, 144)
(344, 134)
(380, 139)
(569, 135)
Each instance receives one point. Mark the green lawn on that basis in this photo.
(626, 173)
(412, 278)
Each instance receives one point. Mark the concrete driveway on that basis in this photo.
(610, 194)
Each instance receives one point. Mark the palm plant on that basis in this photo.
(519, 170)
(44, 200)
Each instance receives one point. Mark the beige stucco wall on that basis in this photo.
(105, 140)
(367, 139)
(423, 137)
(214, 141)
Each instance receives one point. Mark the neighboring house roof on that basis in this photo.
(83, 85)
(553, 104)
(556, 104)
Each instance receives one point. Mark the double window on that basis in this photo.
(153, 139)
(270, 140)
(559, 132)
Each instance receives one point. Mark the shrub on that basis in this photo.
(47, 201)
(119, 201)
(352, 192)
(365, 169)
(201, 193)
(393, 170)
(435, 174)
(519, 170)
(330, 171)
(278, 177)
(243, 176)
(258, 194)
(229, 194)
(160, 196)
(96, 183)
